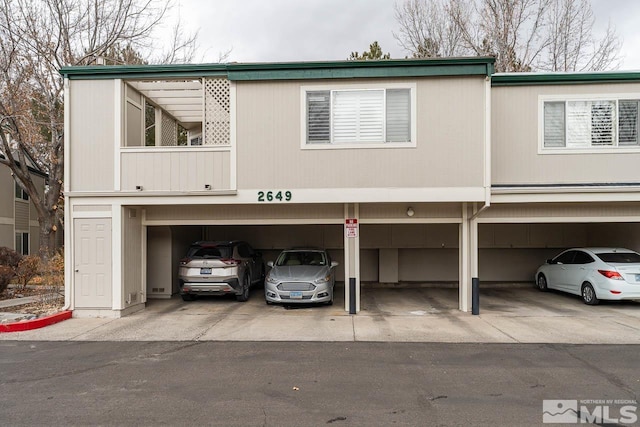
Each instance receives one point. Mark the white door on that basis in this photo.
(92, 263)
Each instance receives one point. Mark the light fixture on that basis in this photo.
(410, 211)
(207, 186)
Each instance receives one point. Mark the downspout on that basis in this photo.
(487, 147)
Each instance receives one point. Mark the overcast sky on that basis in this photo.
(304, 30)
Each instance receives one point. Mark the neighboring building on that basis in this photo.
(405, 170)
(19, 227)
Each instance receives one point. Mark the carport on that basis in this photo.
(268, 229)
(397, 245)
(515, 239)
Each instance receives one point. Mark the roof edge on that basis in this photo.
(532, 79)
(292, 70)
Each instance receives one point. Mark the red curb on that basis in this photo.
(41, 322)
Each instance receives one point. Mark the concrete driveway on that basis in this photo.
(417, 314)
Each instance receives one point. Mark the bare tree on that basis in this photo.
(426, 29)
(523, 35)
(37, 37)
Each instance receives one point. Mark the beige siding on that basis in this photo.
(373, 211)
(131, 256)
(7, 192)
(22, 215)
(515, 158)
(260, 214)
(92, 135)
(176, 171)
(7, 236)
(449, 152)
(546, 211)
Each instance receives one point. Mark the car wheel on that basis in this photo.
(188, 297)
(542, 282)
(589, 294)
(246, 284)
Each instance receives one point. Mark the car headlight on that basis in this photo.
(271, 280)
(322, 279)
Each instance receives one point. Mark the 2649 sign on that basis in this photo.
(274, 196)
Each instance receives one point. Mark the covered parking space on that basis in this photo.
(170, 230)
(397, 245)
(515, 239)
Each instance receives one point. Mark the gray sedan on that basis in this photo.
(300, 276)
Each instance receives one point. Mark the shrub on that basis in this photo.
(28, 268)
(9, 260)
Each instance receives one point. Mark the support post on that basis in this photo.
(352, 295)
(475, 296)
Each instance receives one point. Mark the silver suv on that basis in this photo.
(220, 268)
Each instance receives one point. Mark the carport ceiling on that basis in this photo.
(182, 99)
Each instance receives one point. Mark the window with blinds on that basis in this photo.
(358, 116)
(590, 123)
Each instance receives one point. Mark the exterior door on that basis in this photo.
(92, 263)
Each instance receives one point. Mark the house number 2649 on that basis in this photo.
(274, 196)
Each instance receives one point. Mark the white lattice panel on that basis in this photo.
(216, 112)
(169, 132)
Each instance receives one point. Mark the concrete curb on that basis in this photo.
(41, 322)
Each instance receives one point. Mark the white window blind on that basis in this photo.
(554, 124)
(628, 122)
(602, 122)
(358, 116)
(578, 124)
(319, 116)
(398, 115)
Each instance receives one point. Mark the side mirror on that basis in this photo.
(550, 261)
(270, 263)
(334, 263)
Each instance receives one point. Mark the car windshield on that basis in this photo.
(620, 257)
(290, 258)
(209, 252)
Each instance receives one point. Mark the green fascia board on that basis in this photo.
(292, 70)
(536, 79)
(97, 72)
(363, 69)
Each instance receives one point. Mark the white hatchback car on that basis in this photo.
(594, 273)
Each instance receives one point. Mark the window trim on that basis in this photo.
(615, 149)
(412, 86)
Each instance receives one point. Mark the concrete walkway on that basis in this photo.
(507, 315)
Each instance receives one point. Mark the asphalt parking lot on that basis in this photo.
(516, 314)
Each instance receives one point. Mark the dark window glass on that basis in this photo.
(620, 257)
(582, 258)
(209, 252)
(565, 258)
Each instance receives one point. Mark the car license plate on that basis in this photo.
(205, 271)
(295, 295)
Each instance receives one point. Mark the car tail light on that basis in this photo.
(230, 261)
(185, 261)
(611, 274)
(616, 292)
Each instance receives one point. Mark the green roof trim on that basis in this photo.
(535, 79)
(293, 70)
(96, 72)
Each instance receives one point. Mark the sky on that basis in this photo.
(308, 30)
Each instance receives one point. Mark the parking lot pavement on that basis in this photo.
(407, 314)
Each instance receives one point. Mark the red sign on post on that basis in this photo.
(351, 227)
